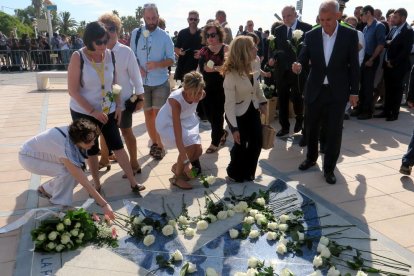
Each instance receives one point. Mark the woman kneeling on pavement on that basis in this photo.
(178, 127)
(60, 152)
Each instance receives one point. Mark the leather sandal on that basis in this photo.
(152, 149)
(180, 182)
(159, 153)
(135, 171)
(212, 149)
(137, 188)
(224, 138)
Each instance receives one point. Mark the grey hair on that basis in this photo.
(329, 5)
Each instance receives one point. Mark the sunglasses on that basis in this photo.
(99, 42)
(193, 19)
(150, 5)
(111, 29)
(212, 35)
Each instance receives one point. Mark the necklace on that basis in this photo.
(100, 71)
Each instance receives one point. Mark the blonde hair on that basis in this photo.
(111, 19)
(239, 57)
(193, 83)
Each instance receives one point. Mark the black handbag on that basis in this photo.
(131, 103)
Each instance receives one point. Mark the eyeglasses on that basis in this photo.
(250, 25)
(212, 35)
(193, 19)
(99, 42)
(150, 5)
(111, 29)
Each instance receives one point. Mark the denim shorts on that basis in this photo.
(156, 96)
(109, 131)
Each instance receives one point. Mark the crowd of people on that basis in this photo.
(340, 66)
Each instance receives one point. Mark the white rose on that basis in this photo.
(252, 272)
(191, 267)
(41, 237)
(283, 218)
(238, 209)
(264, 86)
(182, 220)
(172, 222)
(297, 34)
(146, 229)
(65, 238)
(333, 272)
(272, 226)
(325, 252)
(78, 241)
(116, 89)
(254, 234)
(230, 206)
(361, 273)
(77, 225)
(177, 256)
(51, 245)
(60, 227)
(211, 179)
(81, 235)
(283, 227)
(271, 236)
(320, 247)
(249, 220)
(211, 272)
(261, 201)
(230, 213)
(189, 232)
(136, 221)
(261, 220)
(67, 221)
(252, 262)
(324, 240)
(271, 37)
(210, 64)
(167, 230)
(281, 248)
(233, 233)
(272, 87)
(242, 205)
(74, 232)
(149, 239)
(283, 240)
(316, 273)
(146, 33)
(253, 212)
(286, 272)
(60, 247)
(222, 215)
(212, 218)
(202, 225)
(317, 261)
(301, 236)
(52, 235)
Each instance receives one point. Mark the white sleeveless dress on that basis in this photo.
(189, 122)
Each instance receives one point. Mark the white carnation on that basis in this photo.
(167, 230)
(149, 239)
(230, 206)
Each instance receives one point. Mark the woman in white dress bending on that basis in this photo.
(178, 126)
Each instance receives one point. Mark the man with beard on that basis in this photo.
(187, 46)
(154, 50)
(221, 17)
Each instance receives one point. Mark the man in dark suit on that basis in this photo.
(250, 29)
(399, 43)
(288, 84)
(333, 79)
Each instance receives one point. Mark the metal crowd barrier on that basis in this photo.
(34, 60)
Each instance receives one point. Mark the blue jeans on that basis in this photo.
(408, 158)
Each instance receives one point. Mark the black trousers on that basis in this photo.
(393, 79)
(214, 108)
(289, 89)
(366, 93)
(244, 157)
(327, 112)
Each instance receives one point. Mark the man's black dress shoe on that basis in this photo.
(364, 116)
(298, 126)
(302, 142)
(282, 132)
(330, 177)
(306, 165)
(381, 115)
(391, 118)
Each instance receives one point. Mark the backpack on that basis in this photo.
(82, 62)
(137, 37)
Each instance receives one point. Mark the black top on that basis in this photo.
(189, 43)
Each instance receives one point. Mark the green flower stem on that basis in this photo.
(324, 216)
(377, 262)
(199, 207)
(365, 251)
(329, 226)
(171, 211)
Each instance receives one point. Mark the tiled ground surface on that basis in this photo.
(369, 192)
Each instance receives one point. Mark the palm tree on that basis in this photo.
(139, 14)
(66, 23)
(37, 4)
(115, 12)
(129, 23)
(81, 28)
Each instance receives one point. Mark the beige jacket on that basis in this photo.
(240, 92)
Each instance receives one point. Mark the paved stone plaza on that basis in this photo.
(370, 192)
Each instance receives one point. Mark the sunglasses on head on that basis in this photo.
(150, 5)
(111, 29)
(193, 19)
(99, 42)
(212, 35)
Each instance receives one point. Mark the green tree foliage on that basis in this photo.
(129, 23)
(8, 23)
(139, 15)
(37, 5)
(66, 23)
(115, 12)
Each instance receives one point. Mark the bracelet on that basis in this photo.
(186, 161)
(92, 111)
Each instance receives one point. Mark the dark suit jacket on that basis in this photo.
(284, 55)
(398, 51)
(342, 70)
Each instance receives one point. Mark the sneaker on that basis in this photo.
(405, 169)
